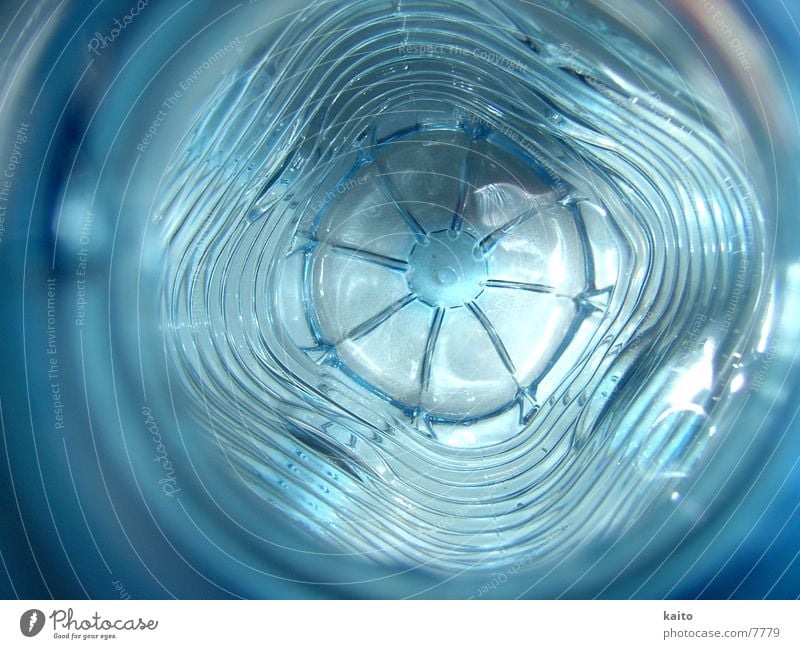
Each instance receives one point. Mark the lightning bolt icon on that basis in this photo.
(32, 620)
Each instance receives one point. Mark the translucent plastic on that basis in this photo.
(423, 286)
(493, 301)
(444, 298)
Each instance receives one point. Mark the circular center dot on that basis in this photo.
(446, 271)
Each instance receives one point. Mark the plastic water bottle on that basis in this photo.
(388, 298)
